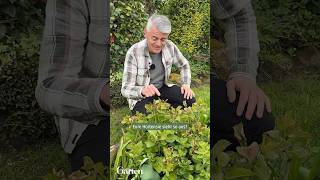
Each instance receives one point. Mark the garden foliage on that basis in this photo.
(127, 22)
(190, 24)
(284, 26)
(285, 153)
(21, 25)
(173, 154)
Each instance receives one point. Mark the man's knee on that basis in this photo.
(190, 101)
(140, 105)
(255, 128)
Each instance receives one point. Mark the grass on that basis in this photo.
(115, 123)
(33, 162)
(299, 99)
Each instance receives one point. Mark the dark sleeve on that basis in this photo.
(62, 90)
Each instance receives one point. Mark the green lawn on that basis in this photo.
(33, 162)
(299, 97)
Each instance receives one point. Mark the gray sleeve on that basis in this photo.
(61, 90)
(238, 20)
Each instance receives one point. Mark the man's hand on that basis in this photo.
(150, 91)
(187, 92)
(250, 94)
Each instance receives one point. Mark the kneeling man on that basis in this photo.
(147, 69)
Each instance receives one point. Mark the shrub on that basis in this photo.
(128, 19)
(21, 118)
(190, 24)
(117, 100)
(285, 26)
(173, 154)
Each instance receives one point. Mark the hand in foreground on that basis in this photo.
(150, 90)
(187, 92)
(250, 94)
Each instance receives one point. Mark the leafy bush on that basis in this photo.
(89, 170)
(172, 154)
(128, 19)
(285, 153)
(190, 24)
(22, 121)
(19, 16)
(285, 26)
(117, 100)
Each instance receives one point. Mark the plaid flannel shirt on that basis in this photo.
(238, 19)
(73, 65)
(136, 73)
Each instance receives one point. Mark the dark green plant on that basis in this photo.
(89, 170)
(127, 22)
(22, 121)
(173, 154)
(19, 16)
(284, 154)
(190, 24)
(117, 100)
(285, 26)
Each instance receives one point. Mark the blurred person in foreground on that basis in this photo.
(239, 99)
(73, 82)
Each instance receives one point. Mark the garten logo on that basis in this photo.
(120, 170)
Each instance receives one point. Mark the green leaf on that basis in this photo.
(249, 152)
(149, 143)
(143, 161)
(294, 166)
(220, 146)
(236, 172)
(261, 168)
(315, 168)
(239, 134)
(148, 173)
(223, 159)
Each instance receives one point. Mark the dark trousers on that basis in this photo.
(223, 118)
(171, 94)
(94, 142)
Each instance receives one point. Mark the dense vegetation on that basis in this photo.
(21, 23)
(285, 27)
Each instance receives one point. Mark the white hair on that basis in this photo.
(161, 22)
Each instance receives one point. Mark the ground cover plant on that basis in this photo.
(286, 153)
(172, 154)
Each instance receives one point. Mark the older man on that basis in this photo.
(148, 65)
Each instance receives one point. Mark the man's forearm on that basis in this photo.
(241, 36)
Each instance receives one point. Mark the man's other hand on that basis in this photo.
(250, 94)
(150, 91)
(187, 92)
